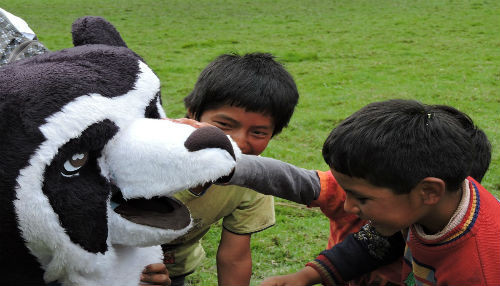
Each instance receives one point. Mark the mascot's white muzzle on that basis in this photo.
(149, 161)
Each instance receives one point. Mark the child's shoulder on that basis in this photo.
(487, 208)
(484, 197)
(487, 227)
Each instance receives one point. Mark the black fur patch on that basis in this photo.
(152, 109)
(95, 30)
(80, 200)
(16, 147)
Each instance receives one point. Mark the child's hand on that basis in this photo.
(306, 276)
(192, 122)
(155, 274)
(282, 280)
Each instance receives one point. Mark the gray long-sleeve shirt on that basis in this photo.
(277, 178)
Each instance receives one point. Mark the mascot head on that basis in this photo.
(87, 167)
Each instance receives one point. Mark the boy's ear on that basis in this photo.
(189, 114)
(431, 190)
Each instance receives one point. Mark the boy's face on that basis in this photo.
(250, 130)
(388, 212)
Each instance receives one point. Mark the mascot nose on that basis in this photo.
(209, 137)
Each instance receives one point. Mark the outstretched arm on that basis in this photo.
(270, 176)
(277, 178)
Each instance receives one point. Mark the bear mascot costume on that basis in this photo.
(87, 166)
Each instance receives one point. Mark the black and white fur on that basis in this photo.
(80, 127)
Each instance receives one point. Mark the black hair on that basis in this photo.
(480, 143)
(397, 143)
(255, 82)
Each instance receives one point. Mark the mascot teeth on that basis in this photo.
(88, 168)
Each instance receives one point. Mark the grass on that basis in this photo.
(342, 54)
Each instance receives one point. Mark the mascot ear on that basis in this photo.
(95, 30)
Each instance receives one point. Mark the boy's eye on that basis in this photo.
(260, 133)
(265, 133)
(362, 200)
(221, 124)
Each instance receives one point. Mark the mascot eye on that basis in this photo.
(73, 165)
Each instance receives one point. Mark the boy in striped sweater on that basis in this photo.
(404, 167)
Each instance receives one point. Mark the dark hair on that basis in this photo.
(255, 82)
(397, 143)
(480, 144)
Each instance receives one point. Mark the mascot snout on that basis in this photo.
(148, 162)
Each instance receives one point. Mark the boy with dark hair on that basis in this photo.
(404, 166)
(251, 98)
(254, 82)
(414, 159)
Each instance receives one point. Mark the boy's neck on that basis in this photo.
(442, 213)
(198, 190)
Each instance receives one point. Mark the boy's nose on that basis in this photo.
(351, 207)
(242, 142)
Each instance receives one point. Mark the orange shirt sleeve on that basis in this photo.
(331, 202)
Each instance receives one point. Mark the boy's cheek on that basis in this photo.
(257, 149)
(385, 231)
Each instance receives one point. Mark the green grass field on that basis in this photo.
(342, 54)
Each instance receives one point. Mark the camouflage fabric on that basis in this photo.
(377, 245)
(14, 45)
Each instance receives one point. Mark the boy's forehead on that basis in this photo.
(237, 108)
(358, 185)
(341, 177)
(239, 114)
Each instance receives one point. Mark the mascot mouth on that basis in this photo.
(159, 212)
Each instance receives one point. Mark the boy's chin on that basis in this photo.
(385, 230)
